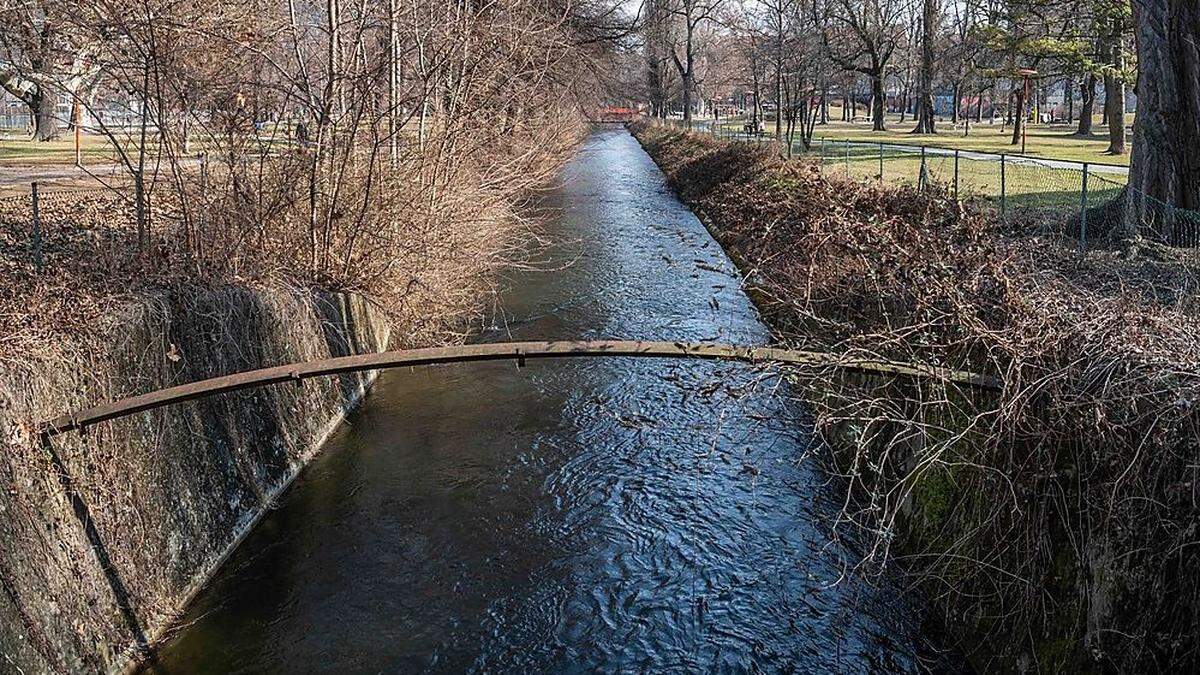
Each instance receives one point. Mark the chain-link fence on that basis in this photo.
(1079, 201)
(1057, 197)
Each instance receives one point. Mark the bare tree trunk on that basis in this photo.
(1165, 167)
(925, 120)
(46, 125)
(393, 114)
(779, 86)
(1018, 115)
(1115, 102)
(688, 85)
(689, 78)
(654, 82)
(877, 99)
(1114, 92)
(1087, 104)
(955, 113)
(687, 67)
(757, 92)
(139, 179)
(1104, 106)
(655, 58)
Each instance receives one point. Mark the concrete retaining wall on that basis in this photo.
(105, 536)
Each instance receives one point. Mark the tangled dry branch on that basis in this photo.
(1058, 518)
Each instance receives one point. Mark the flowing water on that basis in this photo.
(576, 515)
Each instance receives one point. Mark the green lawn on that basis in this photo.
(1023, 184)
(18, 149)
(1046, 141)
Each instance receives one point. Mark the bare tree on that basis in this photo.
(930, 18)
(43, 61)
(657, 39)
(692, 16)
(861, 36)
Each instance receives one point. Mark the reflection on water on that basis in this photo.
(576, 515)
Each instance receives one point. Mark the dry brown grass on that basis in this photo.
(421, 240)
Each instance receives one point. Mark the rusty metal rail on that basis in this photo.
(518, 351)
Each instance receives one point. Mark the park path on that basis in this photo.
(15, 179)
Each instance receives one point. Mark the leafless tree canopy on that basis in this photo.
(335, 143)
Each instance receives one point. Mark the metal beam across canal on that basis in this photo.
(504, 351)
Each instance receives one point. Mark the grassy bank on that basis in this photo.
(1058, 519)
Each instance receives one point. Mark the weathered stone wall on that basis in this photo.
(105, 535)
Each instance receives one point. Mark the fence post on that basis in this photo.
(822, 151)
(1083, 211)
(881, 161)
(1003, 187)
(847, 156)
(956, 175)
(922, 178)
(37, 229)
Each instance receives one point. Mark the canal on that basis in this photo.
(577, 515)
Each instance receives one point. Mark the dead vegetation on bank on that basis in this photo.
(1059, 518)
(365, 147)
(420, 241)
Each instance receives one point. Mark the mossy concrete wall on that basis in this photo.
(105, 535)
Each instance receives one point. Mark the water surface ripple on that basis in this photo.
(579, 515)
